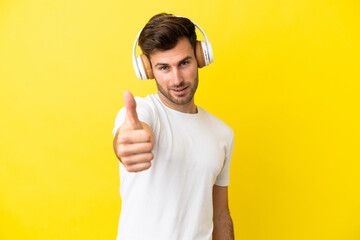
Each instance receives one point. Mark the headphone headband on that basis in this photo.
(207, 50)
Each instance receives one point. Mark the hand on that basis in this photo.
(133, 141)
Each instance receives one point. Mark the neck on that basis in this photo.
(189, 107)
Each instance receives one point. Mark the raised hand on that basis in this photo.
(133, 143)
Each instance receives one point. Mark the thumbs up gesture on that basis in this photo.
(133, 142)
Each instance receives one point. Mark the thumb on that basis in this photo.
(131, 117)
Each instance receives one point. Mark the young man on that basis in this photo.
(174, 156)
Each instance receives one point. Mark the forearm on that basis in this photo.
(223, 227)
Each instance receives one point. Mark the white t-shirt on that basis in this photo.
(172, 200)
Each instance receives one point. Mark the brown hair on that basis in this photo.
(163, 31)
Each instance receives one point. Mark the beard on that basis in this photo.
(179, 100)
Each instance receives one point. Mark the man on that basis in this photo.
(174, 156)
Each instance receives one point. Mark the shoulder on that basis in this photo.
(148, 100)
(217, 124)
(147, 110)
(145, 103)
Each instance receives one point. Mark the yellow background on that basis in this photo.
(285, 78)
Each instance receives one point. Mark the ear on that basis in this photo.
(199, 53)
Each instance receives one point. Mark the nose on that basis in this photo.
(177, 77)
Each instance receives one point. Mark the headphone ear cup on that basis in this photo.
(140, 68)
(144, 67)
(205, 52)
(147, 66)
(199, 54)
(136, 68)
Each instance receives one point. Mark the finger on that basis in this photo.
(135, 136)
(138, 167)
(133, 149)
(137, 158)
(131, 115)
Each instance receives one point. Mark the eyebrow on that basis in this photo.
(165, 64)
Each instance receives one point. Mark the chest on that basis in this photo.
(190, 148)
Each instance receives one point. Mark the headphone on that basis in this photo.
(203, 53)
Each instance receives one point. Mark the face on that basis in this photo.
(176, 76)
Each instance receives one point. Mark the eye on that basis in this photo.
(183, 63)
(163, 68)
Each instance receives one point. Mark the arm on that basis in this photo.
(223, 225)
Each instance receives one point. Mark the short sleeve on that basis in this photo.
(144, 110)
(223, 179)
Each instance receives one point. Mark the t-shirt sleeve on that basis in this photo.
(223, 179)
(144, 110)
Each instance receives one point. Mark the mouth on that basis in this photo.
(179, 91)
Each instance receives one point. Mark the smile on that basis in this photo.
(179, 91)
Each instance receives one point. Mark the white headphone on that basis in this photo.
(203, 52)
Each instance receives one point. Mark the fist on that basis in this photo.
(133, 143)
